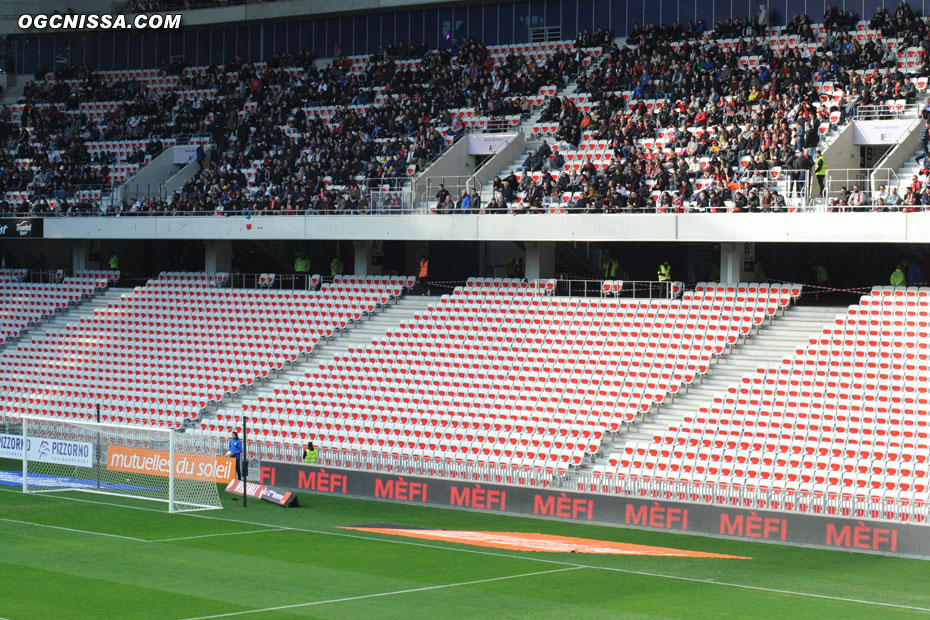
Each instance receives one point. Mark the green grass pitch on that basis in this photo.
(78, 556)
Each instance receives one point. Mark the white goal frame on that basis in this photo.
(76, 455)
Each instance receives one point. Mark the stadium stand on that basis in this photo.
(502, 373)
(290, 137)
(24, 303)
(641, 133)
(164, 351)
(737, 136)
(845, 416)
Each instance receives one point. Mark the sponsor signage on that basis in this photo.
(155, 463)
(880, 132)
(184, 154)
(55, 451)
(263, 492)
(18, 228)
(850, 532)
(488, 143)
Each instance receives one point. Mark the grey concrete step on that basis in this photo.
(768, 346)
(357, 336)
(72, 315)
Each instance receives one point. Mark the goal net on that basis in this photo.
(148, 463)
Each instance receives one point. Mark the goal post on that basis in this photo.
(141, 462)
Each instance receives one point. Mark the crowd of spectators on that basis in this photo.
(707, 116)
(388, 118)
(289, 136)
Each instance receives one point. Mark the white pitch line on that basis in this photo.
(160, 540)
(392, 593)
(508, 555)
(71, 529)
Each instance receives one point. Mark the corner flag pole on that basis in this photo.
(243, 463)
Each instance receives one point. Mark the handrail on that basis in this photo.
(868, 180)
(793, 185)
(887, 112)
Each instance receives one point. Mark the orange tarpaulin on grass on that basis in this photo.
(521, 541)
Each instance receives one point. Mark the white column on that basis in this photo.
(217, 256)
(362, 257)
(731, 262)
(540, 260)
(79, 255)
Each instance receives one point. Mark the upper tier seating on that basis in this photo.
(846, 416)
(164, 351)
(502, 373)
(331, 130)
(720, 137)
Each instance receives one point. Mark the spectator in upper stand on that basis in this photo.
(762, 19)
(893, 200)
(830, 17)
(336, 267)
(464, 202)
(441, 197)
(882, 194)
(856, 198)
(924, 157)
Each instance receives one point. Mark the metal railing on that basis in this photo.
(793, 185)
(782, 496)
(883, 112)
(627, 289)
(455, 185)
(869, 181)
(770, 494)
(693, 488)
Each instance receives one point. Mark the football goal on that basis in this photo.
(158, 464)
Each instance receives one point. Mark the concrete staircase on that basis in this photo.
(358, 336)
(532, 142)
(909, 169)
(71, 315)
(768, 346)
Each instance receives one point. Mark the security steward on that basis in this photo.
(310, 454)
(665, 275)
(423, 277)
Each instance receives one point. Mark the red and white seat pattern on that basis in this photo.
(22, 304)
(502, 373)
(846, 416)
(164, 351)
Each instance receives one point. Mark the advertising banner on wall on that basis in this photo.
(184, 154)
(880, 132)
(20, 228)
(55, 451)
(155, 463)
(829, 531)
(488, 143)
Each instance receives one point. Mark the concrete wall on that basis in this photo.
(842, 153)
(148, 181)
(900, 153)
(452, 168)
(177, 181)
(749, 227)
(501, 160)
